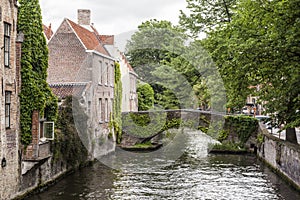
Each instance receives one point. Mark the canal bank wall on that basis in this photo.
(43, 174)
(282, 156)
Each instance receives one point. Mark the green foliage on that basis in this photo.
(243, 126)
(260, 139)
(143, 145)
(35, 93)
(116, 118)
(203, 129)
(229, 146)
(145, 96)
(144, 125)
(68, 146)
(258, 46)
(206, 15)
(223, 135)
(150, 49)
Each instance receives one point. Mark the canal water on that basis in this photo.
(195, 174)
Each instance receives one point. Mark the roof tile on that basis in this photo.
(88, 38)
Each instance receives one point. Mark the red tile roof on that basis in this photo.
(88, 38)
(107, 39)
(47, 31)
(62, 90)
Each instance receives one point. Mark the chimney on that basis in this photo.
(84, 17)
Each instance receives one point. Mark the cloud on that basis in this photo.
(112, 16)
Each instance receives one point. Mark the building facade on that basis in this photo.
(9, 102)
(128, 76)
(77, 57)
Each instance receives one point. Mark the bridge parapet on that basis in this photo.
(140, 127)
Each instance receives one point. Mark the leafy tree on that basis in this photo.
(155, 42)
(265, 42)
(207, 15)
(145, 96)
(35, 92)
(259, 46)
(159, 53)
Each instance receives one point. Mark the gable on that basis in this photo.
(88, 38)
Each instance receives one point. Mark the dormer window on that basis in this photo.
(7, 32)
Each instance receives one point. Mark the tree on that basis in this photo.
(151, 44)
(35, 93)
(266, 41)
(206, 15)
(154, 43)
(259, 46)
(145, 96)
(161, 55)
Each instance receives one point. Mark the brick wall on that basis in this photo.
(66, 55)
(9, 80)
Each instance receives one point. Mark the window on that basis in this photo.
(106, 112)
(112, 76)
(7, 30)
(89, 107)
(7, 108)
(101, 73)
(100, 110)
(49, 130)
(106, 74)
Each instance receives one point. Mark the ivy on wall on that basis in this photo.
(116, 121)
(35, 92)
(243, 126)
(68, 146)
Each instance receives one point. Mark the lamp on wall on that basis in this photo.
(3, 163)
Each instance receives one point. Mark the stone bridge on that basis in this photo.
(144, 125)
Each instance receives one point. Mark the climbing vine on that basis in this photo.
(35, 93)
(68, 146)
(243, 126)
(116, 121)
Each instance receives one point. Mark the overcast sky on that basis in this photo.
(112, 16)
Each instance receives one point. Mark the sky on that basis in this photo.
(112, 16)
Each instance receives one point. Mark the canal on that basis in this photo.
(195, 174)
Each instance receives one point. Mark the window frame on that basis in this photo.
(7, 109)
(106, 110)
(100, 82)
(100, 110)
(7, 45)
(42, 128)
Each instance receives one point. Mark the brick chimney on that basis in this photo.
(84, 17)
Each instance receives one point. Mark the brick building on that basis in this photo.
(78, 59)
(9, 102)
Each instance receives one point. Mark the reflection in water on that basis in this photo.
(195, 175)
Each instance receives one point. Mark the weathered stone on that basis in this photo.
(282, 156)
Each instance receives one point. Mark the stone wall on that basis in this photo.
(9, 82)
(282, 156)
(41, 173)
